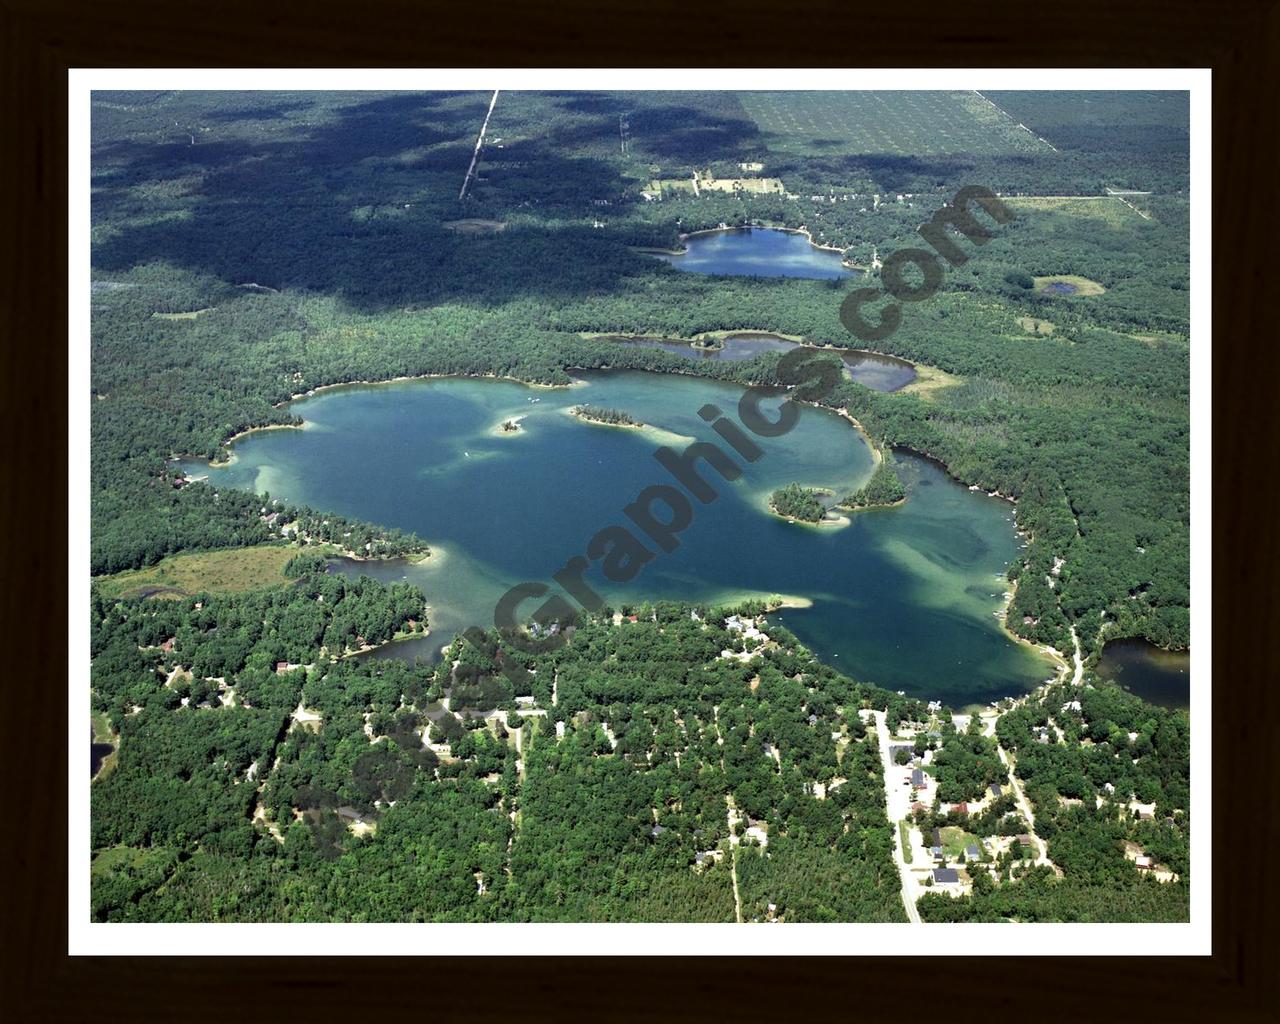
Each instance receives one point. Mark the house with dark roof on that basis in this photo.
(995, 790)
(917, 777)
(945, 876)
(971, 852)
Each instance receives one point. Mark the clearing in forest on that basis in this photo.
(756, 185)
(1108, 209)
(1067, 286)
(228, 571)
(474, 226)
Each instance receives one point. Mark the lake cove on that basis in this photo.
(1157, 676)
(757, 252)
(872, 369)
(905, 597)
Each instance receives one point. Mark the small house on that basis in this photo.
(971, 852)
(945, 876)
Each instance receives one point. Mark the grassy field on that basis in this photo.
(1107, 209)
(954, 840)
(102, 732)
(1083, 286)
(191, 315)
(1034, 326)
(474, 226)
(228, 571)
(902, 123)
(930, 380)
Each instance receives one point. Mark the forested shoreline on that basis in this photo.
(251, 251)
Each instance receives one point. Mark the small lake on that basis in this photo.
(97, 754)
(1157, 676)
(905, 597)
(757, 252)
(876, 371)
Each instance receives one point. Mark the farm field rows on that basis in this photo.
(902, 123)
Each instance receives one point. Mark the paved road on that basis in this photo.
(897, 805)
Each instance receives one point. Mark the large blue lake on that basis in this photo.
(759, 252)
(905, 597)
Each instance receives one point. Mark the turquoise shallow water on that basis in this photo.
(904, 597)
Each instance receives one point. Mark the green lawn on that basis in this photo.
(954, 840)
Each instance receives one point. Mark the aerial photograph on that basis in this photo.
(684, 506)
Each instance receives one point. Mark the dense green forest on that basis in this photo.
(414, 793)
(248, 248)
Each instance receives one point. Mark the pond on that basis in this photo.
(97, 754)
(757, 252)
(905, 597)
(876, 371)
(1156, 675)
